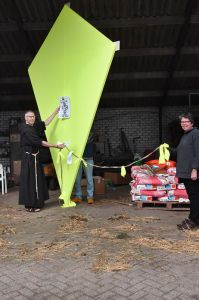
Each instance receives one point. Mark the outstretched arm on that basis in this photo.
(49, 145)
(49, 119)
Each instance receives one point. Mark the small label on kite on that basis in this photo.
(64, 112)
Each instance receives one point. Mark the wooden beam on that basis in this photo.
(146, 94)
(152, 75)
(137, 75)
(166, 51)
(8, 26)
(186, 74)
(14, 80)
(15, 57)
(37, 26)
(114, 95)
(15, 106)
(116, 76)
(190, 50)
(137, 22)
(109, 23)
(143, 21)
(122, 53)
(16, 98)
(135, 94)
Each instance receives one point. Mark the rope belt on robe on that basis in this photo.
(36, 181)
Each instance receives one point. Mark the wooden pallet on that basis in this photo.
(161, 204)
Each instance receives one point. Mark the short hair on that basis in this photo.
(187, 115)
(29, 111)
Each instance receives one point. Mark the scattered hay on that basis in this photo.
(85, 249)
(45, 250)
(2, 243)
(192, 234)
(7, 229)
(52, 248)
(11, 217)
(119, 261)
(9, 213)
(135, 219)
(25, 252)
(72, 227)
(77, 224)
(119, 217)
(103, 263)
(102, 233)
(79, 218)
(145, 219)
(183, 246)
(128, 227)
(112, 233)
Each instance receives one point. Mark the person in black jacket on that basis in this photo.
(187, 169)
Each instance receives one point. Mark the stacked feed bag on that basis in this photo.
(158, 184)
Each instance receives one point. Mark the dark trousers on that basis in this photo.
(192, 188)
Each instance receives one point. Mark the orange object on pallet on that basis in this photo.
(49, 169)
(154, 164)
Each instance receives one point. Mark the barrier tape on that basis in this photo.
(164, 156)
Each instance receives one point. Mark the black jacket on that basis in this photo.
(188, 154)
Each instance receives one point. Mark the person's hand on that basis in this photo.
(60, 146)
(194, 174)
(57, 109)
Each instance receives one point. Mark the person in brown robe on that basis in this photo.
(33, 188)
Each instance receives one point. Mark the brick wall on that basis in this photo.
(4, 127)
(139, 121)
(134, 121)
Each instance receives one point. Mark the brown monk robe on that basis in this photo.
(33, 188)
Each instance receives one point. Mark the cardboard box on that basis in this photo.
(16, 171)
(116, 178)
(83, 182)
(16, 167)
(99, 185)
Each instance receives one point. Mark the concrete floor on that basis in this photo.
(109, 250)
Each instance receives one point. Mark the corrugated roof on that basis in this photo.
(157, 63)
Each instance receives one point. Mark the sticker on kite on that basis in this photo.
(64, 112)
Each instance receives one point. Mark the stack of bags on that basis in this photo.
(155, 182)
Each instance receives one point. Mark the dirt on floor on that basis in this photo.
(112, 233)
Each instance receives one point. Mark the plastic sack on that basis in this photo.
(154, 180)
(179, 193)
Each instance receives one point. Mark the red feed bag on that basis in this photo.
(151, 180)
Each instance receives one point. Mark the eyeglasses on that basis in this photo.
(30, 116)
(184, 122)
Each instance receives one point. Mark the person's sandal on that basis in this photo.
(30, 209)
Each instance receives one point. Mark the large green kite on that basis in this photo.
(73, 61)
